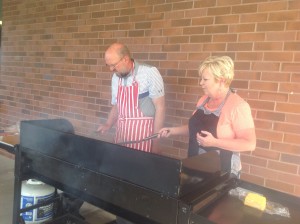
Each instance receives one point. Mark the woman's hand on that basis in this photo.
(206, 139)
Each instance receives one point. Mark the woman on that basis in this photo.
(222, 120)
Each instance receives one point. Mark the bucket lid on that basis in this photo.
(34, 182)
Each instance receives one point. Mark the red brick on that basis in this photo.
(284, 16)
(194, 90)
(292, 46)
(292, 138)
(264, 172)
(245, 8)
(172, 31)
(188, 81)
(253, 160)
(262, 105)
(205, 3)
(252, 179)
(290, 87)
(294, 98)
(224, 38)
(284, 36)
(272, 6)
(195, 12)
(192, 30)
(181, 22)
(285, 148)
(280, 186)
(261, 143)
(178, 39)
(242, 65)
(283, 167)
(227, 19)
(253, 56)
(263, 124)
(289, 108)
(174, 104)
(214, 47)
(295, 78)
(290, 67)
(271, 26)
(218, 11)
(278, 56)
(182, 5)
(297, 191)
(174, 88)
(274, 96)
(242, 28)
(268, 46)
(267, 86)
(254, 17)
(169, 64)
(163, 7)
(289, 178)
(289, 128)
(290, 158)
(216, 29)
(201, 39)
(201, 21)
(192, 47)
(275, 76)
(266, 115)
(52, 65)
(293, 25)
(267, 154)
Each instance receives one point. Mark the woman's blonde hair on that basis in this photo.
(221, 67)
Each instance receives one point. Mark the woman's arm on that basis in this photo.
(245, 140)
(170, 131)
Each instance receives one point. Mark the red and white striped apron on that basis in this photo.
(132, 125)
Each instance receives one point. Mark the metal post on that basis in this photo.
(17, 186)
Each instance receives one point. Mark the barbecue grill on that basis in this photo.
(138, 186)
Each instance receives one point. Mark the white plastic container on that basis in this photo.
(33, 192)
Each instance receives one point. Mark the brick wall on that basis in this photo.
(52, 66)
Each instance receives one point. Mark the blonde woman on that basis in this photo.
(222, 120)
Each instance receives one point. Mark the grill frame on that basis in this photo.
(185, 208)
(109, 176)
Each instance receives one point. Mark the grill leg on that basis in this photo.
(17, 187)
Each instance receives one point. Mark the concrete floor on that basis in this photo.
(6, 189)
(92, 214)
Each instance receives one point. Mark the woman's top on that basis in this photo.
(234, 115)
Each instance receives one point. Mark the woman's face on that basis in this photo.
(209, 84)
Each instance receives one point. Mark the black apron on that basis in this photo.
(204, 121)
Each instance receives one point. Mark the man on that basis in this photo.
(138, 101)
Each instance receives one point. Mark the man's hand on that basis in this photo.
(103, 128)
(112, 118)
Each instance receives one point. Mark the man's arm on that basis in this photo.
(159, 120)
(111, 120)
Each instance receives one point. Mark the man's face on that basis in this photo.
(116, 64)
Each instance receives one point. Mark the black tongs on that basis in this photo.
(141, 140)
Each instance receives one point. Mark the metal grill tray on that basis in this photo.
(171, 177)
